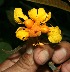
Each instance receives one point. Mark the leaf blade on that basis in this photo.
(58, 4)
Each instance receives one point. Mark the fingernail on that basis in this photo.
(43, 57)
(59, 55)
(29, 51)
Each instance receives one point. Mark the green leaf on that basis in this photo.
(59, 3)
(3, 55)
(10, 15)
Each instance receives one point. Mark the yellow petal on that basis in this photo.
(48, 16)
(55, 38)
(39, 15)
(43, 16)
(22, 34)
(54, 30)
(41, 12)
(32, 13)
(18, 13)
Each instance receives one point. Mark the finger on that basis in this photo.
(25, 63)
(63, 53)
(66, 67)
(9, 62)
(42, 54)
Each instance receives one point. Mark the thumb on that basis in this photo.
(25, 63)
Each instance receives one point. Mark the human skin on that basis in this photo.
(34, 60)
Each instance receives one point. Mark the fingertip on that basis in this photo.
(59, 55)
(62, 54)
(66, 66)
(42, 54)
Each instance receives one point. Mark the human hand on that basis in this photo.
(30, 61)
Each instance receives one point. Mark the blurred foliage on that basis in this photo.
(59, 3)
(8, 27)
(3, 55)
(10, 15)
(1, 2)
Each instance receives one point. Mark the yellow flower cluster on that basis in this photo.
(35, 26)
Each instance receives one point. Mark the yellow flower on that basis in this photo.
(22, 34)
(39, 15)
(55, 38)
(36, 25)
(54, 34)
(54, 30)
(18, 13)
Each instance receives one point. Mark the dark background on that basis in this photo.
(59, 18)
